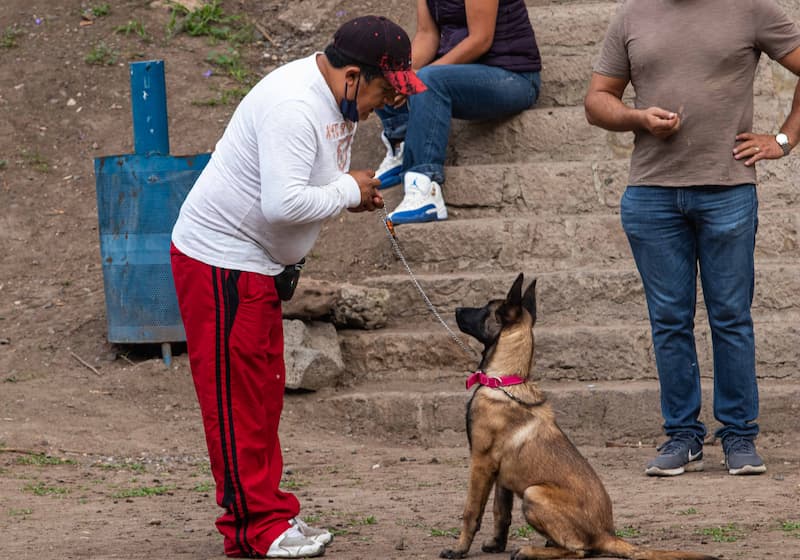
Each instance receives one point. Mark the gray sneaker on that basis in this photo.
(681, 453)
(741, 456)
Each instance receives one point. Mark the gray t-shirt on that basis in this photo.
(697, 58)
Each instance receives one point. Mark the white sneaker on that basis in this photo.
(292, 544)
(423, 201)
(315, 534)
(391, 168)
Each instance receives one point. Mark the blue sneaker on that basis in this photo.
(741, 456)
(390, 171)
(422, 202)
(682, 453)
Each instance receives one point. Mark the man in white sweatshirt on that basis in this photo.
(280, 170)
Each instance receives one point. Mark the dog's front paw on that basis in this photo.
(494, 545)
(450, 553)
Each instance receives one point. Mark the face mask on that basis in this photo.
(349, 107)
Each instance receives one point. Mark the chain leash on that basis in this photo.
(387, 225)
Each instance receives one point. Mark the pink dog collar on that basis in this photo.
(493, 381)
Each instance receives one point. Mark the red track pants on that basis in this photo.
(234, 336)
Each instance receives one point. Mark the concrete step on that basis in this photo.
(589, 297)
(433, 413)
(566, 73)
(579, 187)
(571, 25)
(614, 351)
(560, 134)
(543, 134)
(542, 243)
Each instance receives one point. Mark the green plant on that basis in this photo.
(204, 487)
(231, 62)
(628, 532)
(19, 512)
(292, 484)
(133, 467)
(225, 97)
(132, 27)
(42, 489)
(791, 527)
(100, 10)
(142, 492)
(41, 459)
(524, 532)
(369, 520)
(453, 532)
(8, 39)
(208, 20)
(35, 161)
(728, 533)
(690, 511)
(101, 55)
(3, 163)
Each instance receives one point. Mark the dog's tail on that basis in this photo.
(615, 546)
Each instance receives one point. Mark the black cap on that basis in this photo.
(377, 41)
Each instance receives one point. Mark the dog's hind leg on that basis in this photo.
(481, 478)
(543, 553)
(503, 502)
(552, 512)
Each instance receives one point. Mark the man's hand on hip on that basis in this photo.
(753, 147)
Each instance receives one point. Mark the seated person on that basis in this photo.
(480, 61)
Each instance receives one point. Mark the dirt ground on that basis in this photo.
(101, 448)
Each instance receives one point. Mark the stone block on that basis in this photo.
(312, 355)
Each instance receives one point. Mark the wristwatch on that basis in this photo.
(783, 142)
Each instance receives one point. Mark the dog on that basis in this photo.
(516, 445)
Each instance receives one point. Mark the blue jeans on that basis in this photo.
(671, 231)
(461, 91)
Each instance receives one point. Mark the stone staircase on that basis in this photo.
(539, 193)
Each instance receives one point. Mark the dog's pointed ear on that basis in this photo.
(514, 296)
(511, 309)
(529, 299)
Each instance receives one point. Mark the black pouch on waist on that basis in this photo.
(286, 281)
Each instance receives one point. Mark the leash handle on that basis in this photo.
(389, 227)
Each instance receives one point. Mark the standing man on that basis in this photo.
(279, 171)
(691, 199)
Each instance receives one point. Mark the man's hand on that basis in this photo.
(660, 123)
(368, 184)
(753, 147)
(399, 100)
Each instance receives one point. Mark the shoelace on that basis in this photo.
(674, 445)
(740, 445)
(413, 198)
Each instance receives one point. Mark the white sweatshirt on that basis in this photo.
(279, 171)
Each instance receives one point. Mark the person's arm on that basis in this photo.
(481, 21)
(287, 147)
(754, 147)
(604, 108)
(426, 38)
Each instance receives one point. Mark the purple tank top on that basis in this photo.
(514, 46)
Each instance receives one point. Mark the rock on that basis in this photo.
(307, 15)
(346, 305)
(312, 355)
(313, 300)
(361, 307)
